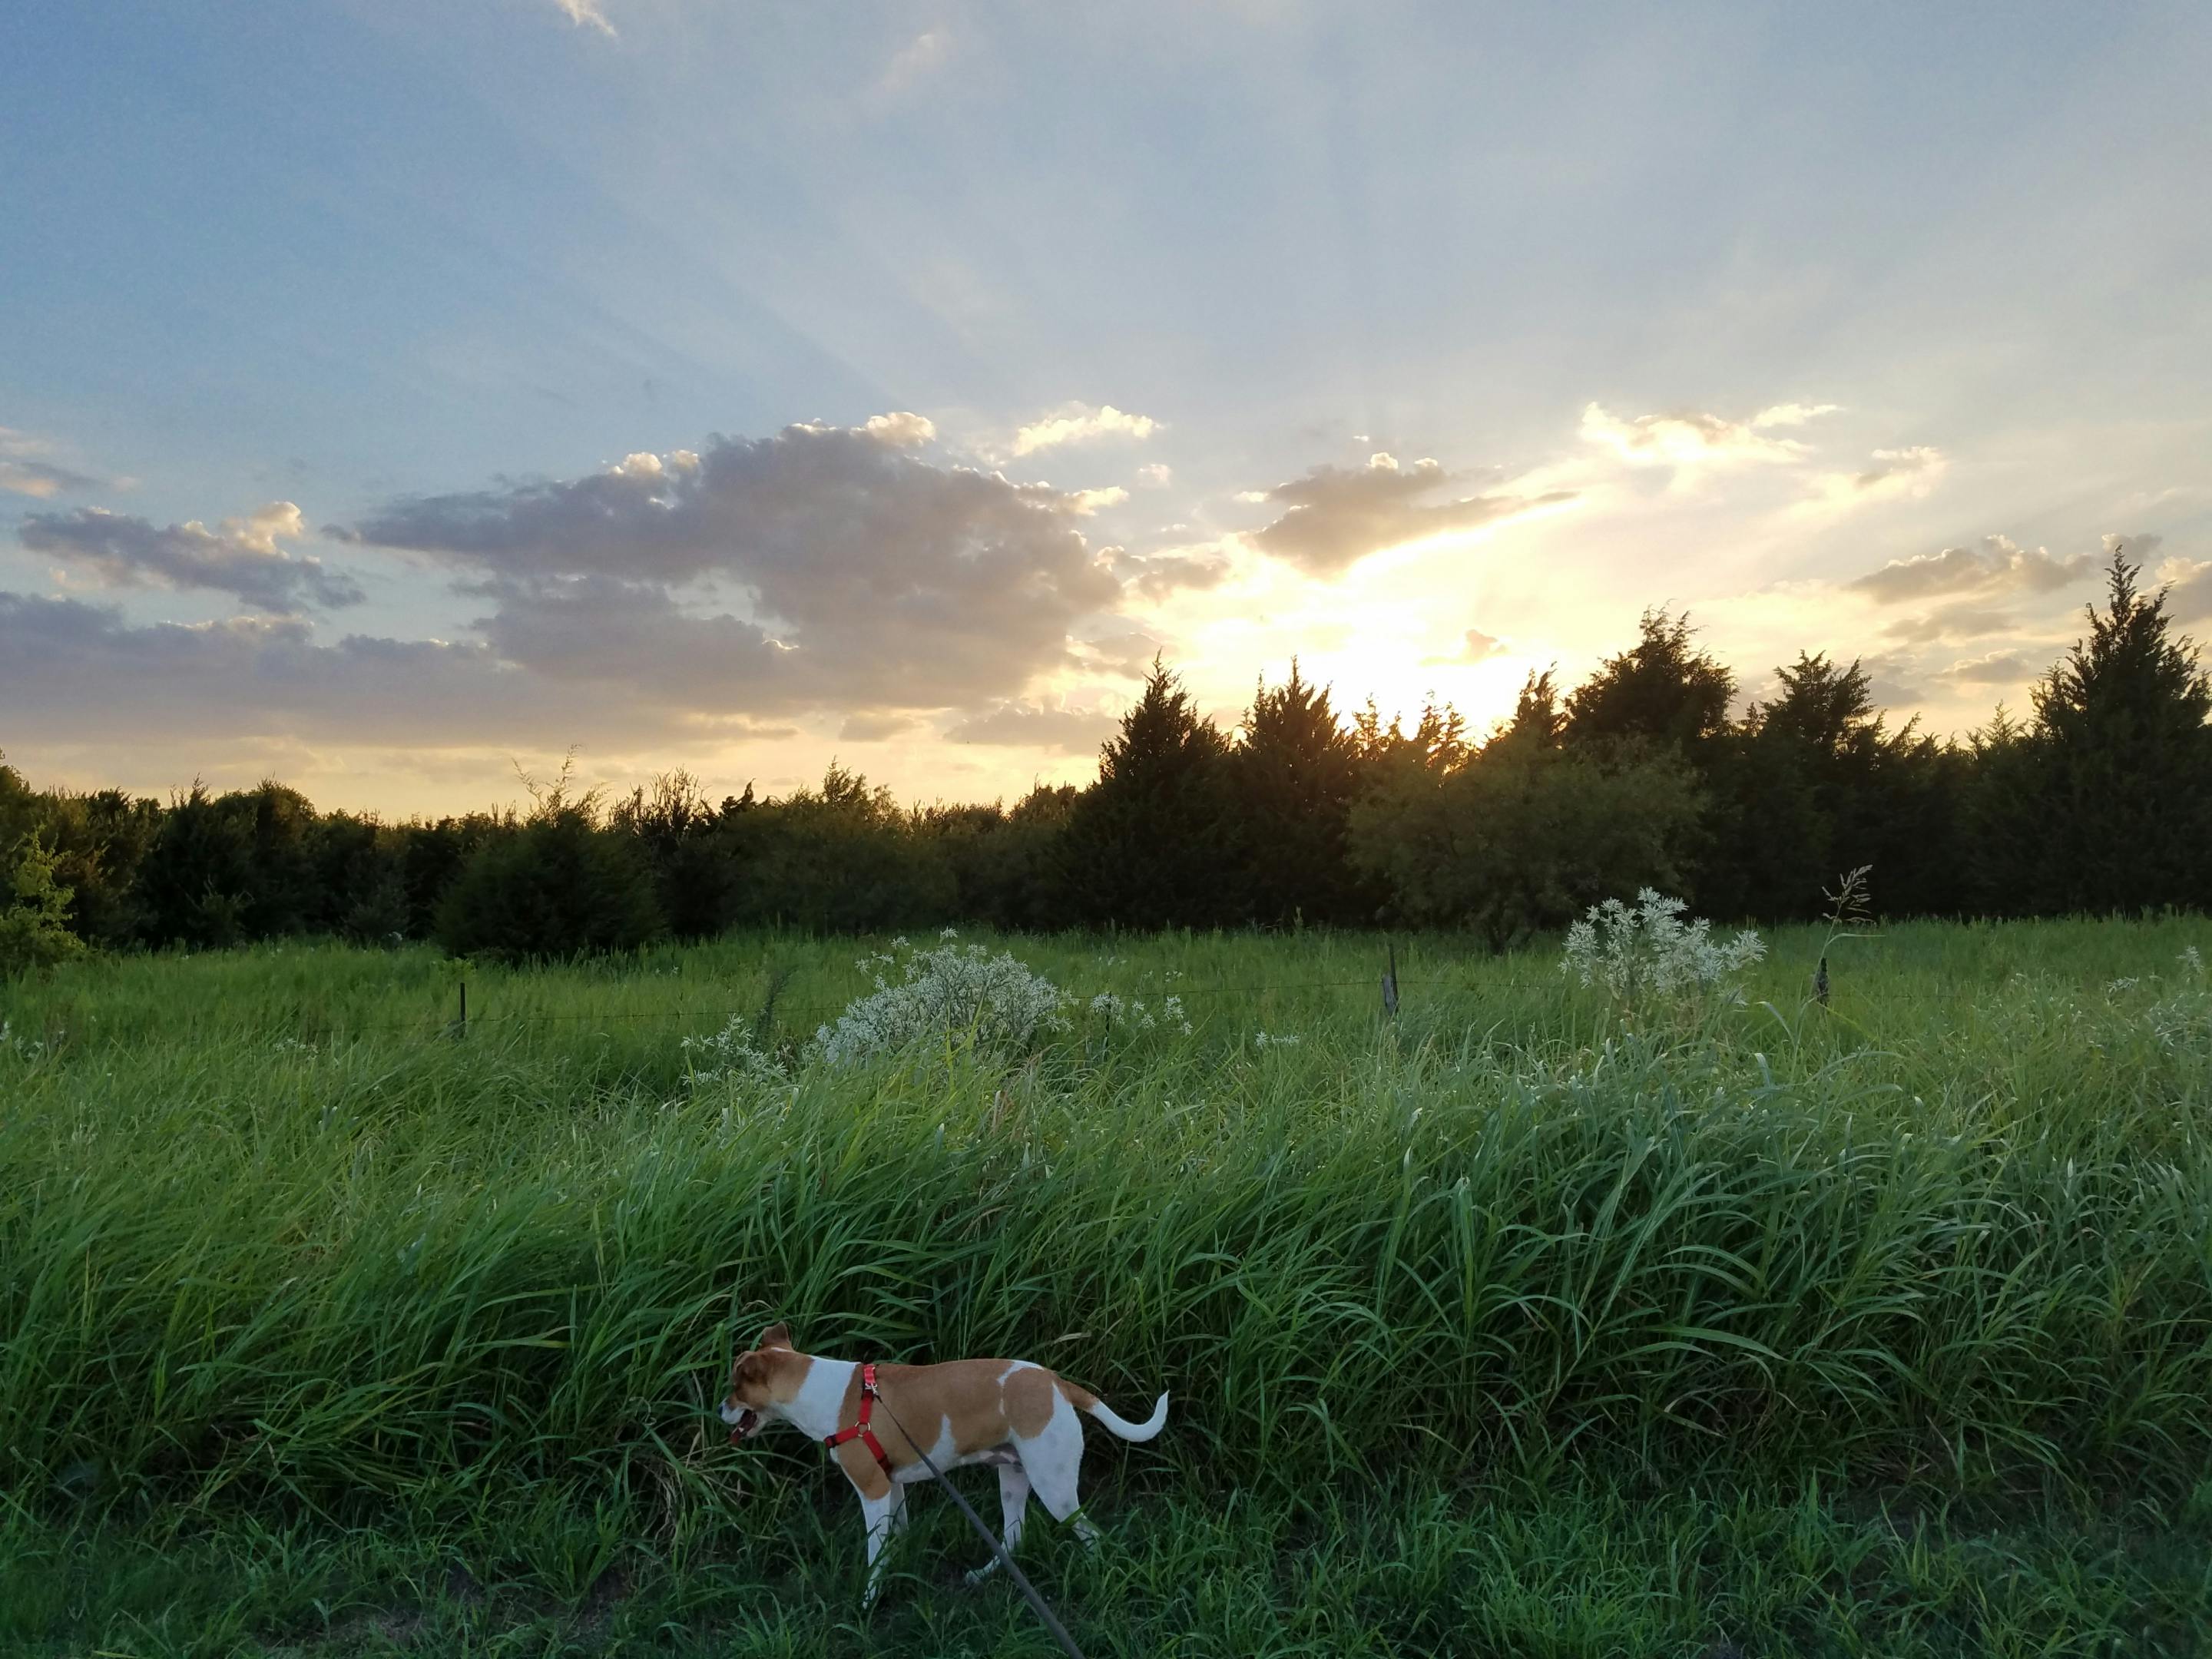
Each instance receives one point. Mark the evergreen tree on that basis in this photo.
(1296, 774)
(1661, 690)
(2127, 758)
(1153, 842)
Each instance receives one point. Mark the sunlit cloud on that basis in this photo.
(1692, 439)
(1334, 516)
(1084, 502)
(1158, 476)
(1475, 647)
(24, 470)
(1994, 564)
(1896, 475)
(1993, 668)
(902, 428)
(919, 57)
(1076, 424)
(585, 13)
(240, 557)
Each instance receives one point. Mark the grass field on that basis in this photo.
(1515, 1325)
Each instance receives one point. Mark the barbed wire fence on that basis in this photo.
(1393, 992)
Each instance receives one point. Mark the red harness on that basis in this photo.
(859, 1429)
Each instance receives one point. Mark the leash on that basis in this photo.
(1006, 1556)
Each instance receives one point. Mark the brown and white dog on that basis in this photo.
(1016, 1416)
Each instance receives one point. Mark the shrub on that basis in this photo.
(34, 922)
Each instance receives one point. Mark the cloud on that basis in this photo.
(1956, 622)
(1032, 725)
(1084, 502)
(1996, 668)
(1158, 476)
(1690, 438)
(1475, 647)
(920, 56)
(585, 13)
(1076, 424)
(1896, 475)
(24, 473)
(875, 728)
(1792, 414)
(1128, 656)
(870, 578)
(1995, 564)
(2188, 583)
(902, 428)
(240, 558)
(1337, 516)
(72, 671)
(1156, 575)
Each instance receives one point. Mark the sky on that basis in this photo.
(398, 393)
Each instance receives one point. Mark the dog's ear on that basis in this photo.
(776, 1336)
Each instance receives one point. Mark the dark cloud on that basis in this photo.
(874, 578)
(1995, 564)
(1015, 725)
(240, 558)
(1337, 516)
(72, 671)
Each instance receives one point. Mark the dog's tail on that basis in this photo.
(1084, 1400)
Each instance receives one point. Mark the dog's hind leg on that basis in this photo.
(1013, 1502)
(1054, 1461)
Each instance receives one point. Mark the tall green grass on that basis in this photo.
(278, 1246)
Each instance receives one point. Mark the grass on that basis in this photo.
(1516, 1325)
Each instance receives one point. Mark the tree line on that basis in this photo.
(2098, 800)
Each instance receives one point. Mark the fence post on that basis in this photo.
(1390, 982)
(461, 1025)
(1820, 981)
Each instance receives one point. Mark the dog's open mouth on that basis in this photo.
(747, 1422)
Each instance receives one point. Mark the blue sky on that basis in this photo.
(1731, 307)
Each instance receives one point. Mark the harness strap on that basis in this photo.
(859, 1429)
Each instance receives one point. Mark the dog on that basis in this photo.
(1017, 1417)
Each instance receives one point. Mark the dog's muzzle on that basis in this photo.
(743, 1425)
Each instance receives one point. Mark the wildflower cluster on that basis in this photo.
(729, 1057)
(22, 1048)
(1262, 1041)
(1136, 1013)
(1651, 951)
(955, 994)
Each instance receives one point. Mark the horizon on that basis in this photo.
(393, 392)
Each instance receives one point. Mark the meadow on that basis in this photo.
(1521, 1323)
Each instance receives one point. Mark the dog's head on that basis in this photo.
(761, 1382)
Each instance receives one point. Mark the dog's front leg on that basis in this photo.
(880, 1514)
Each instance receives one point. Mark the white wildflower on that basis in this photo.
(952, 993)
(729, 1057)
(1651, 949)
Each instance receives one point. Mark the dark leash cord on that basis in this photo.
(1006, 1556)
